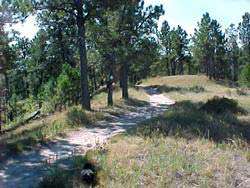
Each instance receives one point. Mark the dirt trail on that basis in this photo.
(27, 169)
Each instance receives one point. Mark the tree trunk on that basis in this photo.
(124, 80)
(94, 80)
(85, 100)
(181, 68)
(168, 69)
(236, 69)
(110, 95)
(173, 67)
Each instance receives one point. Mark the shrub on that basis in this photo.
(77, 117)
(47, 95)
(219, 105)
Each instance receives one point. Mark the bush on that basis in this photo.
(47, 95)
(77, 117)
(219, 105)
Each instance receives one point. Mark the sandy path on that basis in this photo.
(27, 169)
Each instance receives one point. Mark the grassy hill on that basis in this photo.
(185, 147)
(198, 89)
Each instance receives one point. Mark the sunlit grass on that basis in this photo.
(211, 89)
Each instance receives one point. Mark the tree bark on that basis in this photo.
(110, 95)
(173, 67)
(124, 80)
(85, 100)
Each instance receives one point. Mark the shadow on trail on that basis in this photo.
(27, 169)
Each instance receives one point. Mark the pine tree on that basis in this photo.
(233, 51)
(209, 48)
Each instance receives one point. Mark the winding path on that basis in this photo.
(27, 169)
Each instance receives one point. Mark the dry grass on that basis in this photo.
(211, 89)
(170, 162)
(181, 158)
(134, 161)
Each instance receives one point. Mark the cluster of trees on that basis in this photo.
(83, 44)
(220, 55)
(210, 51)
(79, 47)
(174, 46)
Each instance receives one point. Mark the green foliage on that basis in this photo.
(77, 117)
(119, 38)
(68, 85)
(245, 76)
(244, 32)
(175, 50)
(209, 48)
(158, 68)
(47, 97)
(233, 52)
(222, 105)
